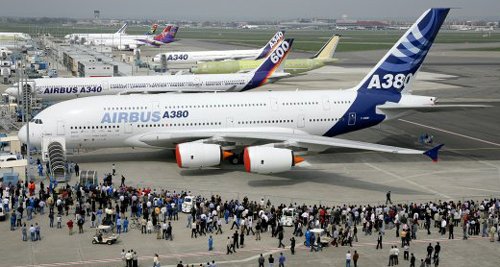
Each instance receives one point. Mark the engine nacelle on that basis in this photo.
(132, 46)
(123, 48)
(261, 159)
(198, 155)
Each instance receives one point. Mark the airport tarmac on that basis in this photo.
(469, 168)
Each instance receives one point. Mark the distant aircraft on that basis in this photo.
(131, 42)
(58, 89)
(87, 37)
(292, 66)
(249, 26)
(268, 131)
(14, 40)
(201, 56)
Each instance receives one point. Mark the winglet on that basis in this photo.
(433, 152)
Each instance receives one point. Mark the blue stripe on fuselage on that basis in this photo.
(364, 106)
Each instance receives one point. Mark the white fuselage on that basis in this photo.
(58, 89)
(198, 56)
(121, 121)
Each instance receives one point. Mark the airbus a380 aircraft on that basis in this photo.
(58, 89)
(268, 129)
(199, 56)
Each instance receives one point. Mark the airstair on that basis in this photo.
(54, 151)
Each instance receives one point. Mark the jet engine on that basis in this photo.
(265, 160)
(199, 155)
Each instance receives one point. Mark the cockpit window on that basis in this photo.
(36, 121)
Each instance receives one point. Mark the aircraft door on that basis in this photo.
(128, 127)
(326, 103)
(229, 122)
(60, 128)
(352, 118)
(301, 121)
(274, 104)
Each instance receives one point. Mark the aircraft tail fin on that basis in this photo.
(270, 65)
(396, 70)
(433, 152)
(328, 49)
(153, 29)
(269, 47)
(122, 29)
(167, 35)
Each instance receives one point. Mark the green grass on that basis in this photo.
(481, 49)
(305, 40)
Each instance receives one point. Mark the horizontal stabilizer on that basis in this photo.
(433, 152)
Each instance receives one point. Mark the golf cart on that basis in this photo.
(187, 204)
(104, 235)
(288, 216)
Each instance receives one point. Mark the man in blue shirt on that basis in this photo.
(281, 260)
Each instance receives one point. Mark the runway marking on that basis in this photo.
(400, 178)
(269, 251)
(478, 189)
(450, 132)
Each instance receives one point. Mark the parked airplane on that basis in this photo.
(131, 42)
(85, 37)
(293, 66)
(267, 130)
(58, 89)
(199, 56)
(14, 40)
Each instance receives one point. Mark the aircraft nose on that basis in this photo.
(22, 134)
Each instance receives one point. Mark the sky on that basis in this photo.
(236, 10)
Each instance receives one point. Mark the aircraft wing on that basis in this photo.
(279, 137)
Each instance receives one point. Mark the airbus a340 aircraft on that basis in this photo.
(58, 89)
(268, 130)
(199, 56)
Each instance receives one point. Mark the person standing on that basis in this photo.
(229, 245)
(348, 258)
(128, 258)
(292, 245)
(379, 240)
(271, 260)
(430, 249)
(412, 260)
(51, 219)
(135, 261)
(77, 170)
(122, 256)
(406, 251)
(437, 249)
(280, 238)
(210, 243)
(450, 231)
(355, 258)
(261, 260)
(70, 226)
(388, 198)
(235, 241)
(281, 260)
(156, 261)
(113, 169)
(24, 232)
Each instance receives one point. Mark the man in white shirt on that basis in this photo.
(348, 259)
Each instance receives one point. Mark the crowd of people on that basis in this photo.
(153, 211)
